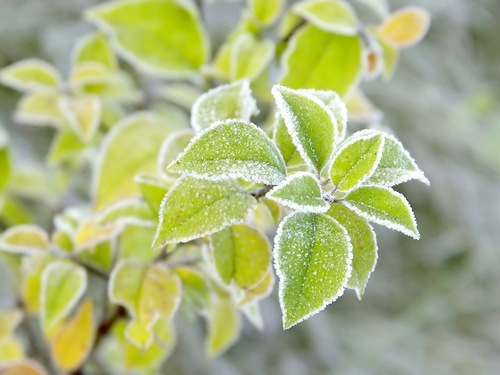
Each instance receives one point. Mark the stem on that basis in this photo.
(290, 34)
(259, 193)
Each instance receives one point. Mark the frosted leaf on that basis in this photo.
(127, 212)
(82, 114)
(396, 166)
(195, 208)
(332, 100)
(89, 234)
(302, 192)
(241, 253)
(310, 123)
(171, 148)
(356, 160)
(405, 27)
(250, 57)
(153, 188)
(285, 144)
(229, 150)
(24, 239)
(259, 291)
(31, 75)
(254, 316)
(65, 145)
(364, 246)
(333, 16)
(94, 48)
(39, 108)
(313, 256)
(233, 101)
(266, 11)
(384, 206)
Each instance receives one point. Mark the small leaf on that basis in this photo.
(232, 149)
(153, 189)
(405, 27)
(313, 262)
(32, 270)
(318, 59)
(24, 239)
(11, 350)
(241, 253)
(285, 144)
(233, 101)
(361, 109)
(65, 145)
(223, 326)
(390, 59)
(384, 206)
(302, 192)
(72, 343)
(63, 284)
(9, 320)
(89, 233)
(259, 291)
(5, 164)
(250, 57)
(396, 166)
(135, 243)
(266, 11)
(139, 335)
(171, 148)
(101, 255)
(364, 246)
(180, 93)
(334, 16)
(312, 125)
(186, 207)
(31, 75)
(24, 367)
(194, 287)
(254, 316)
(356, 160)
(94, 48)
(39, 108)
(83, 115)
(130, 148)
(162, 37)
(127, 212)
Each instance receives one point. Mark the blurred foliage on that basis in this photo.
(432, 307)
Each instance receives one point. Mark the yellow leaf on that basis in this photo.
(24, 239)
(90, 234)
(11, 349)
(83, 115)
(25, 367)
(9, 320)
(259, 291)
(405, 27)
(73, 342)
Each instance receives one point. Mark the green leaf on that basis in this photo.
(384, 206)
(153, 189)
(250, 57)
(334, 16)
(32, 270)
(171, 148)
(233, 101)
(223, 326)
(94, 48)
(90, 233)
(356, 160)
(163, 37)
(232, 149)
(31, 75)
(194, 287)
(65, 145)
(186, 207)
(39, 108)
(396, 166)
(259, 291)
(284, 141)
(266, 11)
(101, 255)
(5, 165)
(254, 316)
(364, 246)
(11, 350)
(312, 125)
(63, 283)
(390, 59)
(9, 320)
(312, 256)
(241, 253)
(302, 192)
(82, 114)
(135, 242)
(182, 94)
(317, 59)
(24, 239)
(130, 148)
(127, 212)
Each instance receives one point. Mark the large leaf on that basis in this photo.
(233, 101)
(364, 246)
(130, 148)
(266, 11)
(356, 160)
(311, 124)
(396, 165)
(232, 149)
(384, 206)
(73, 341)
(334, 16)
(24, 239)
(302, 192)
(318, 59)
(31, 75)
(405, 27)
(313, 261)
(164, 37)
(63, 284)
(241, 253)
(195, 208)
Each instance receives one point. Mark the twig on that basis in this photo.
(259, 193)
(287, 37)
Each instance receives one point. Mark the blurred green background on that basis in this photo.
(432, 306)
